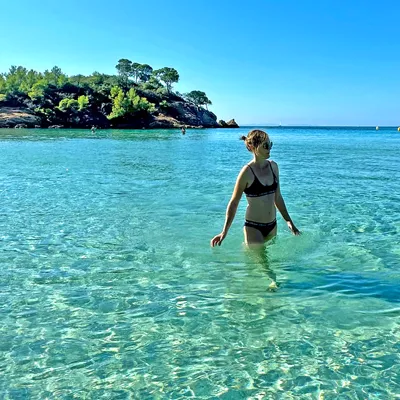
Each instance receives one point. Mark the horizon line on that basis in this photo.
(320, 126)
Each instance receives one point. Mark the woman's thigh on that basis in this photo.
(252, 236)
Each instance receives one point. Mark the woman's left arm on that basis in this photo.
(280, 203)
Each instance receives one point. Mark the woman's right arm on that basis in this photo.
(233, 204)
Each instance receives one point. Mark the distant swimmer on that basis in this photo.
(183, 130)
(259, 180)
(94, 129)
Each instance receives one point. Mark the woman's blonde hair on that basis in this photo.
(254, 138)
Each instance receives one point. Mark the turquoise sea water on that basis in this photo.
(109, 289)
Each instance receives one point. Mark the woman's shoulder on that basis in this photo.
(245, 171)
(274, 166)
(245, 168)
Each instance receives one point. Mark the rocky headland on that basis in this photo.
(137, 97)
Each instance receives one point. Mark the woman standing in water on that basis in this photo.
(259, 180)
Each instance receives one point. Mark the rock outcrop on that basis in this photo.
(170, 112)
(11, 117)
(230, 124)
(176, 114)
(189, 115)
(164, 122)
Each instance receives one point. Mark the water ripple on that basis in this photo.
(109, 288)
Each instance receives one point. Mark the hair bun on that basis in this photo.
(243, 138)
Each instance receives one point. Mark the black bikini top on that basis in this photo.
(257, 189)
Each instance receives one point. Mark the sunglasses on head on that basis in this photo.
(267, 146)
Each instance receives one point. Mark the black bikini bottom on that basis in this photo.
(265, 229)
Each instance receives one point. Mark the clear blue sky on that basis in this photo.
(325, 62)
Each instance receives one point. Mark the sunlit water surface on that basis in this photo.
(109, 288)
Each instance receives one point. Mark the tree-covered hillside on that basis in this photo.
(137, 96)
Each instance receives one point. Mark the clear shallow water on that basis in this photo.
(109, 289)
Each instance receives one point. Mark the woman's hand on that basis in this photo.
(293, 228)
(217, 240)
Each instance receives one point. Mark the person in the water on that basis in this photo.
(259, 180)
